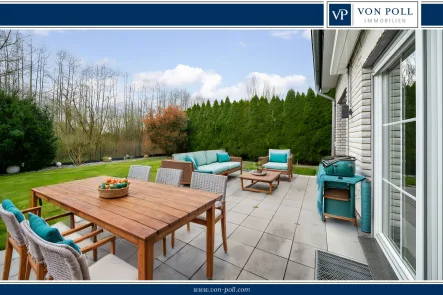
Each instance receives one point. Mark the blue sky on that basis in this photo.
(212, 63)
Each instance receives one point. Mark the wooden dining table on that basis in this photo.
(146, 215)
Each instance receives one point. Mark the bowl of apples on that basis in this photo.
(113, 188)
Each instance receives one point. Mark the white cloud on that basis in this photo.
(209, 83)
(242, 44)
(105, 62)
(286, 35)
(307, 34)
(44, 32)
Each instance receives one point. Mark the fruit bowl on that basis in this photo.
(113, 188)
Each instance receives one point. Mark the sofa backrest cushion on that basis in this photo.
(200, 158)
(211, 156)
(288, 152)
(278, 157)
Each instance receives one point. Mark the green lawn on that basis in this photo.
(302, 170)
(17, 187)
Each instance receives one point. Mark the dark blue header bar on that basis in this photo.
(163, 15)
(432, 15)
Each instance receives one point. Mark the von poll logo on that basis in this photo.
(340, 14)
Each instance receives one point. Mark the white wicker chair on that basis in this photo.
(65, 263)
(215, 184)
(139, 172)
(170, 177)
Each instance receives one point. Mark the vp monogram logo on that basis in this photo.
(341, 13)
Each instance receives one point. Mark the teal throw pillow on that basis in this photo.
(192, 160)
(10, 207)
(43, 230)
(223, 157)
(278, 157)
(72, 244)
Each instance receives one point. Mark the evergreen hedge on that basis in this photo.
(301, 122)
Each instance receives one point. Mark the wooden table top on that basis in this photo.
(269, 177)
(149, 208)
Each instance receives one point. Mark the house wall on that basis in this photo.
(359, 96)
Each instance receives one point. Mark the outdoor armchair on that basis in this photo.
(273, 162)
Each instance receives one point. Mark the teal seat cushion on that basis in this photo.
(278, 157)
(192, 160)
(276, 166)
(72, 244)
(200, 157)
(213, 168)
(233, 165)
(43, 230)
(10, 207)
(223, 157)
(211, 156)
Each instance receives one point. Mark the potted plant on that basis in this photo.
(259, 167)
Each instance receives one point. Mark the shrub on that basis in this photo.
(166, 129)
(26, 132)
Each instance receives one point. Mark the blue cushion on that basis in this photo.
(223, 157)
(180, 157)
(278, 157)
(233, 165)
(200, 157)
(276, 166)
(213, 168)
(10, 207)
(72, 244)
(43, 230)
(192, 160)
(211, 156)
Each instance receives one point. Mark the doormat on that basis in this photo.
(331, 267)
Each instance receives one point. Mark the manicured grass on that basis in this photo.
(410, 181)
(18, 187)
(302, 170)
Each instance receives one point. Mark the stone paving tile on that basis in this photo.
(165, 272)
(281, 229)
(275, 245)
(247, 276)
(187, 261)
(266, 265)
(200, 241)
(235, 217)
(238, 253)
(303, 254)
(262, 213)
(222, 271)
(246, 236)
(255, 223)
(297, 271)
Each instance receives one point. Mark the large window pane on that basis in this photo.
(409, 158)
(392, 213)
(408, 230)
(408, 84)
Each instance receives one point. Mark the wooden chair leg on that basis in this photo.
(8, 259)
(164, 246)
(72, 221)
(28, 269)
(112, 250)
(94, 239)
(188, 226)
(40, 272)
(173, 239)
(223, 226)
(23, 262)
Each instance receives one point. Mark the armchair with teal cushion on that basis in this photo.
(279, 161)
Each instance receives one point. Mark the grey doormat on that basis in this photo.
(332, 268)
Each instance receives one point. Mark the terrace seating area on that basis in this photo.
(269, 237)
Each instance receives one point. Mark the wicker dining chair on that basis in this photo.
(139, 172)
(65, 263)
(215, 184)
(30, 258)
(172, 177)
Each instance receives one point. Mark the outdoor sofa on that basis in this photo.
(206, 162)
(278, 160)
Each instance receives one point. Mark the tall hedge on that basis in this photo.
(300, 122)
(26, 134)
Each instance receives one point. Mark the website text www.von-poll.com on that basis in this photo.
(223, 290)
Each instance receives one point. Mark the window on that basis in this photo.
(399, 156)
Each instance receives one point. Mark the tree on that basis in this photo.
(26, 132)
(167, 129)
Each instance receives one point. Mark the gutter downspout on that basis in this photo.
(334, 104)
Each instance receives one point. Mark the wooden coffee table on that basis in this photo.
(269, 178)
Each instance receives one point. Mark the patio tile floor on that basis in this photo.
(270, 237)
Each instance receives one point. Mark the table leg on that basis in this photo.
(210, 224)
(241, 181)
(34, 199)
(145, 259)
(270, 188)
